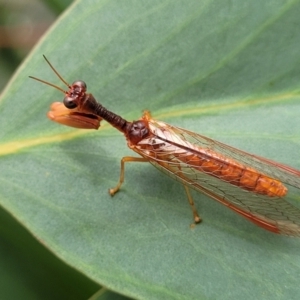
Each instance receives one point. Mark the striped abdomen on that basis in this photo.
(233, 172)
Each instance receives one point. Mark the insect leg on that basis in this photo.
(197, 218)
(124, 160)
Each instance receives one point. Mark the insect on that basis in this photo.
(252, 186)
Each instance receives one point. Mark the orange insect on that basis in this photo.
(250, 185)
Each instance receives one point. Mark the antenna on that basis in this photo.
(51, 84)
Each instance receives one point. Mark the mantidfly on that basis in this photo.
(248, 184)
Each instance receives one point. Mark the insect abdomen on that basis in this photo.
(166, 149)
(235, 173)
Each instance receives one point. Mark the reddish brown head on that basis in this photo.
(76, 109)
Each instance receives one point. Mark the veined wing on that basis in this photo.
(169, 144)
(275, 170)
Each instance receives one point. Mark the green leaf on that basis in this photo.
(30, 271)
(226, 69)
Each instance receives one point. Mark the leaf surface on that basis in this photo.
(226, 69)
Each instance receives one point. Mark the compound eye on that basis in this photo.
(69, 102)
(80, 84)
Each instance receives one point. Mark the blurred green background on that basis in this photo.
(22, 24)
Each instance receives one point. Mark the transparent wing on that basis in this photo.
(273, 169)
(166, 148)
